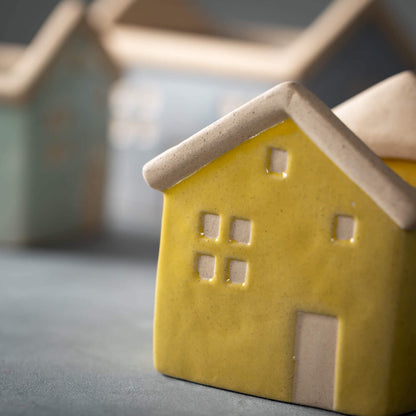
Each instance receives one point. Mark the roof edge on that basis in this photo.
(182, 160)
(290, 100)
(18, 82)
(103, 14)
(295, 61)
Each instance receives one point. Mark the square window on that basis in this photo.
(278, 160)
(206, 266)
(344, 228)
(237, 271)
(210, 225)
(240, 230)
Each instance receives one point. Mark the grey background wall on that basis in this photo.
(19, 19)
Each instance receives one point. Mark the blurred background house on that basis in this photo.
(53, 130)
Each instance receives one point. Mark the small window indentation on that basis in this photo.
(240, 231)
(206, 266)
(237, 271)
(278, 161)
(344, 228)
(210, 225)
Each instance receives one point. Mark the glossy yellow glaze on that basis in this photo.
(241, 337)
(406, 169)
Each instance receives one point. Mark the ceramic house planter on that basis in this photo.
(53, 122)
(286, 266)
(176, 82)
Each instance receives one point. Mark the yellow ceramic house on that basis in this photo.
(287, 266)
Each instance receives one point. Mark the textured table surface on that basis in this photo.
(76, 339)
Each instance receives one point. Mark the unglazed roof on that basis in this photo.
(384, 116)
(19, 79)
(182, 15)
(290, 100)
(297, 60)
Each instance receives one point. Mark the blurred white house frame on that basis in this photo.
(182, 71)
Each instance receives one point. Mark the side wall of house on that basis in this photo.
(402, 397)
(14, 183)
(242, 336)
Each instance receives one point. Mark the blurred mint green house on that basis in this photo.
(53, 130)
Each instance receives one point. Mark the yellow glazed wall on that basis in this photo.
(404, 168)
(402, 395)
(242, 337)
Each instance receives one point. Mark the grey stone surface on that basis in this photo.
(76, 339)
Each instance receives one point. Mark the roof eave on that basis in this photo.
(290, 100)
(18, 83)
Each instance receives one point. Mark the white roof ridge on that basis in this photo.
(17, 82)
(290, 100)
(297, 60)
